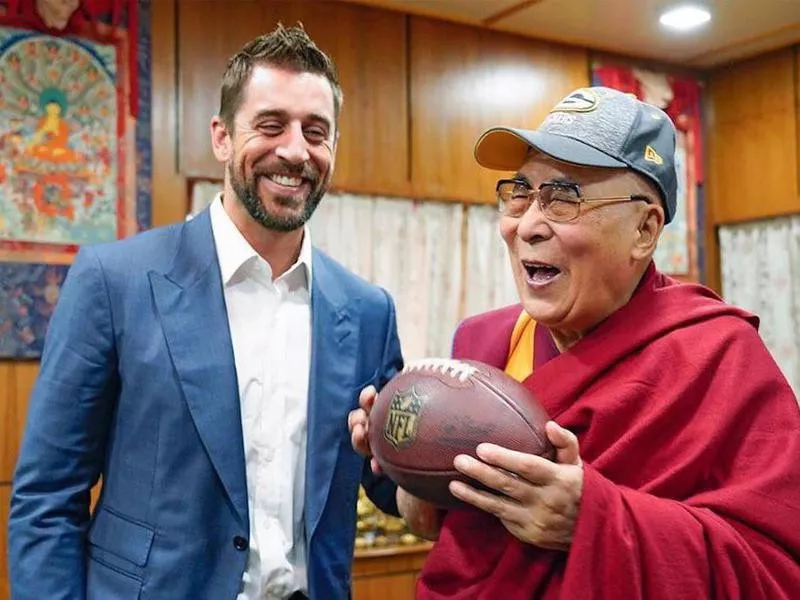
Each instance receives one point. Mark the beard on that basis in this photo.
(247, 192)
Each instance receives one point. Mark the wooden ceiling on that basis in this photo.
(738, 28)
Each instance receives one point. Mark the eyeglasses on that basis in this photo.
(558, 201)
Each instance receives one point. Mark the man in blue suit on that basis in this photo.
(205, 371)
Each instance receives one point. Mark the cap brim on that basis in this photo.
(505, 149)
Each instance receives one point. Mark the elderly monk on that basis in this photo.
(678, 439)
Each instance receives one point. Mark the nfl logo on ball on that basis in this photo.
(403, 418)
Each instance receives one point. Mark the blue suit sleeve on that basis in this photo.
(64, 442)
(380, 489)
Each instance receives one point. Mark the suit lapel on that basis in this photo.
(333, 355)
(191, 305)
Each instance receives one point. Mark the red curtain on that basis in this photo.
(619, 78)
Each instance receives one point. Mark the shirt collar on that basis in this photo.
(234, 251)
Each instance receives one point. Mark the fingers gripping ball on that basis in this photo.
(435, 409)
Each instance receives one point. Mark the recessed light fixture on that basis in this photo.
(685, 17)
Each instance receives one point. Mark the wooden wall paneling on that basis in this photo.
(797, 112)
(170, 201)
(752, 134)
(464, 80)
(19, 378)
(25, 376)
(7, 423)
(208, 33)
(5, 498)
(368, 46)
(16, 382)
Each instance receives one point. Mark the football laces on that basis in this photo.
(447, 366)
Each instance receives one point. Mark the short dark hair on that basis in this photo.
(284, 47)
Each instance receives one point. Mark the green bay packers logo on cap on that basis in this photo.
(403, 418)
(582, 100)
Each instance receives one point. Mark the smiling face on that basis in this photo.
(571, 276)
(280, 155)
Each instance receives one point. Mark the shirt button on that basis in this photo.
(240, 543)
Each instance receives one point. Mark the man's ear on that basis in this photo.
(651, 222)
(221, 142)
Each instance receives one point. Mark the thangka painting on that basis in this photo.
(74, 162)
(59, 158)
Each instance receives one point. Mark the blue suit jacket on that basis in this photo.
(138, 385)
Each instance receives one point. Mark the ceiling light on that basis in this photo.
(685, 17)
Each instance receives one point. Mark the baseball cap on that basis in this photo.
(594, 127)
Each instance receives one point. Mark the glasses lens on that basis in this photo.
(514, 197)
(559, 202)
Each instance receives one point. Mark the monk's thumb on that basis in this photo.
(565, 443)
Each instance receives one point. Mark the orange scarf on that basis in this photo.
(520, 351)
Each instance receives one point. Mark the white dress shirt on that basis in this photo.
(270, 325)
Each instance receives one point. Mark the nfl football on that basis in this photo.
(435, 409)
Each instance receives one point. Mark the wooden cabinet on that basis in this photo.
(389, 574)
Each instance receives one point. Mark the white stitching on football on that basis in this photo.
(452, 368)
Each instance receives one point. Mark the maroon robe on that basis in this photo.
(690, 438)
